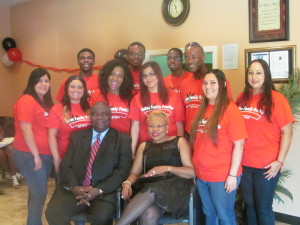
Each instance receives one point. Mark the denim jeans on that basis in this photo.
(258, 193)
(36, 181)
(217, 204)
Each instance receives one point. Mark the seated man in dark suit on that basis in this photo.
(91, 172)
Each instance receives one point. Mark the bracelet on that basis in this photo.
(280, 162)
(169, 169)
(126, 181)
(231, 175)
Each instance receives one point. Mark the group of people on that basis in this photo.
(177, 128)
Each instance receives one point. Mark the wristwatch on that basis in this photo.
(100, 191)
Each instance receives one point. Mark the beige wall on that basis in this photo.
(6, 81)
(50, 33)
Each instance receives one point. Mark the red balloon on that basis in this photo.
(14, 54)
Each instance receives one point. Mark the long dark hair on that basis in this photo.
(221, 105)
(162, 90)
(34, 78)
(125, 91)
(66, 101)
(266, 102)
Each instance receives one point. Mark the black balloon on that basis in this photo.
(8, 43)
(121, 54)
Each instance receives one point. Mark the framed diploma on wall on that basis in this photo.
(281, 60)
(268, 20)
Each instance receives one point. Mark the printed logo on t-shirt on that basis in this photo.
(167, 109)
(136, 86)
(174, 89)
(192, 100)
(251, 113)
(119, 112)
(79, 121)
(201, 126)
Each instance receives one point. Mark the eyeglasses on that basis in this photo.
(132, 54)
(150, 75)
(176, 58)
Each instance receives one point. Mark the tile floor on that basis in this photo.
(13, 207)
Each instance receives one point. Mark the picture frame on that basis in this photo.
(281, 59)
(268, 20)
(160, 56)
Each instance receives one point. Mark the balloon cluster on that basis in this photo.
(13, 54)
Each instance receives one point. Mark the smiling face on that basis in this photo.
(86, 61)
(157, 128)
(210, 87)
(150, 79)
(42, 86)
(256, 77)
(100, 116)
(174, 60)
(115, 80)
(194, 58)
(75, 91)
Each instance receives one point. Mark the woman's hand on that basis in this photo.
(37, 162)
(230, 184)
(157, 170)
(273, 169)
(126, 191)
(57, 162)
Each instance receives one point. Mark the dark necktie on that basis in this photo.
(94, 149)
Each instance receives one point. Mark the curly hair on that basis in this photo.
(162, 90)
(126, 88)
(266, 102)
(66, 101)
(34, 78)
(221, 104)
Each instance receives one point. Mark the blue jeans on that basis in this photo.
(258, 193)
(36, 181)
(217, 204)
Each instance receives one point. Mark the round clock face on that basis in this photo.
(175, 12)
(175, 8)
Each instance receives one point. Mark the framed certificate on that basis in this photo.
(268, 20)
(281, 60)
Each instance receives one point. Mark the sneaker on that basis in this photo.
(14, 181)
(19, 176)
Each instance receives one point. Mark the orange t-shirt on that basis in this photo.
(191, 93)
(263, 143)
(78, 120)
(213, 163)
(28, 110)
(174, 83)
(119, 110)
(91, 85)
(174, 110)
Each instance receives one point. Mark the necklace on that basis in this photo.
(175, 86)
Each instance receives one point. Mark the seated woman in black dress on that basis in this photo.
(163, 155)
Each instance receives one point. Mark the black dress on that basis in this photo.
(170, 194)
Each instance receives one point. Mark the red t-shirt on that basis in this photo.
(174, 109)
(174, 83)
(28, 110)
(78, 120)
(119, 110)
(191, 94)
(213, 163)
(136, 79)
(91, 84)
(263, 143)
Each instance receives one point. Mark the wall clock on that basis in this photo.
(175, 12)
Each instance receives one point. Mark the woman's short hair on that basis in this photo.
(160, 114)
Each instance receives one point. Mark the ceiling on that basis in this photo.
(10, 2)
